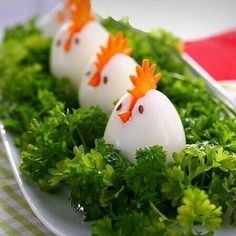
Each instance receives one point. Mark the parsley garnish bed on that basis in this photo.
(61, 144)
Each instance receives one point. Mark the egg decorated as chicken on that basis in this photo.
(76, 43)
(108, 75)
(52, 21)
(145, 117)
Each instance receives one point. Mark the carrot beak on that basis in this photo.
(124, 116)
(95, 80)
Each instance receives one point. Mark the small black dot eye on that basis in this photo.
(76, 41)
(58, 43)
(140, 109)
(105, 79)
(119, 107)
(88, 73)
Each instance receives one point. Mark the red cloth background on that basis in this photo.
(216, 54)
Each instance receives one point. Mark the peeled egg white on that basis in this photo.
(158, 124)
(48, 23)
(85, 44)
(115, 80)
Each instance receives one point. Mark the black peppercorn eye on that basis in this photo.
(58, 43)
(119, 107)
(105, 79)
(76, 41)
(141, 109)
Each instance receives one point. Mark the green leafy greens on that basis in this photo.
(53, 140)
(203, 115)
(24, 73)
(139, 199)
(62, 147)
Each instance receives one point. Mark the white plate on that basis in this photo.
(53, 210)
(230, 86)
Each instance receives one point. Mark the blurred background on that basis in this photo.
(189, 19)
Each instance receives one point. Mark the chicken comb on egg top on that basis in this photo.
(53, 20)
(144, 117)
(116, 44)
(76, 42)
(108, 75)
(81, 14)
(143, 82)
(62, 14)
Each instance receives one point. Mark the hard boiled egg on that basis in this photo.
(75, 44)
(145, 117)
(107, 77)
(52, 21)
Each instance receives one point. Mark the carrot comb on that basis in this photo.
(80, 16)
(116, 44)
(60, 16)
(144, 81)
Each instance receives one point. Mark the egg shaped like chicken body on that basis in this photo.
(76, 43)
(108, 75)
(151, 119)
